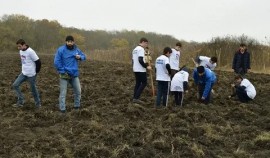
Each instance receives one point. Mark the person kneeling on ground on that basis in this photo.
(243, 89)
(179, 85)
(204, 78)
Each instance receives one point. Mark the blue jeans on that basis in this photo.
(75, 83)
(141, 82)
(201, 87)
(163, 87)
(32, 82)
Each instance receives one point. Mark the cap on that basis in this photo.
(69, 38)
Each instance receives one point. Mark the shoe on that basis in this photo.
(76, 108)
(63, 111)
(17, 105)
(137, 101)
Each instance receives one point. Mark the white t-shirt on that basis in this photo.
(178, 80)
(136, 53)
(174, 59)
(250, 89)
(162, 73)
(205, 62)
(28, 58)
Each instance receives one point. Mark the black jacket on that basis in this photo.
(241, 62)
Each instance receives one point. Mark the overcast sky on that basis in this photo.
(190, 20)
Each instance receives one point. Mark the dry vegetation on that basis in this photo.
(108, 125)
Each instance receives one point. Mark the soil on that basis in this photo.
(109, 125)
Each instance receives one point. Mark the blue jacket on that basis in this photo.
(207, 79)
(238, 66)
(65, 61)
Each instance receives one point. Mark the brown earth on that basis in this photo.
(109, 125)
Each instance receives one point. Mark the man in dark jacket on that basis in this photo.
(241, 60)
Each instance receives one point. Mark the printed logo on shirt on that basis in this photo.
(159, 61)
(177, 56)
(23, 58)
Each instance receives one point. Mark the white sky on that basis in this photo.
(190, 20)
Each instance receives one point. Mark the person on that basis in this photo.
(66, 61)
(31, 65)
(207, 62)
(175, 58)
(241, 60)
(179, 85)
(139, 69)
(163, 71)
(204, 78)
(243, 89)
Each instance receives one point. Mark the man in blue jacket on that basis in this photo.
(66, 62)
(241, 60)
(204, 78)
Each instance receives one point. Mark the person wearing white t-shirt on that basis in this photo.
(175, 59)
(244, 89)
(163, 71)
(139, 69)
(179, 85)
(30, 67)
(207, 62)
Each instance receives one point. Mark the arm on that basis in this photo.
(234, 61)
(142, 62)
(58, 63)
(81, 54)
(38, 65)
(185, 83)
(248, 61)
(168, 67)
(207, 88)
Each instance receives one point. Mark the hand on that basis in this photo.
(149, 68)
(232, 85)
(248, 70)
(186, 91)
(203, 98)
(78, 57)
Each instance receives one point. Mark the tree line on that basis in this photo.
(45, 36)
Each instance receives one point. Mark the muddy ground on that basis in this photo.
(109, 125)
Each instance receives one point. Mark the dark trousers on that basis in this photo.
(163, 87)
(201, 90)
(178, 97)
(173, 72)
(141, 82)
(242, 94)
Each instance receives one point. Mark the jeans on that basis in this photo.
(141, 82)
(32, 82)
(163, 87)
(75, 83)
(201, 87)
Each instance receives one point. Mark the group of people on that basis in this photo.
(66, 63)
(171, 79)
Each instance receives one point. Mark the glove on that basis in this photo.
(65, 76)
